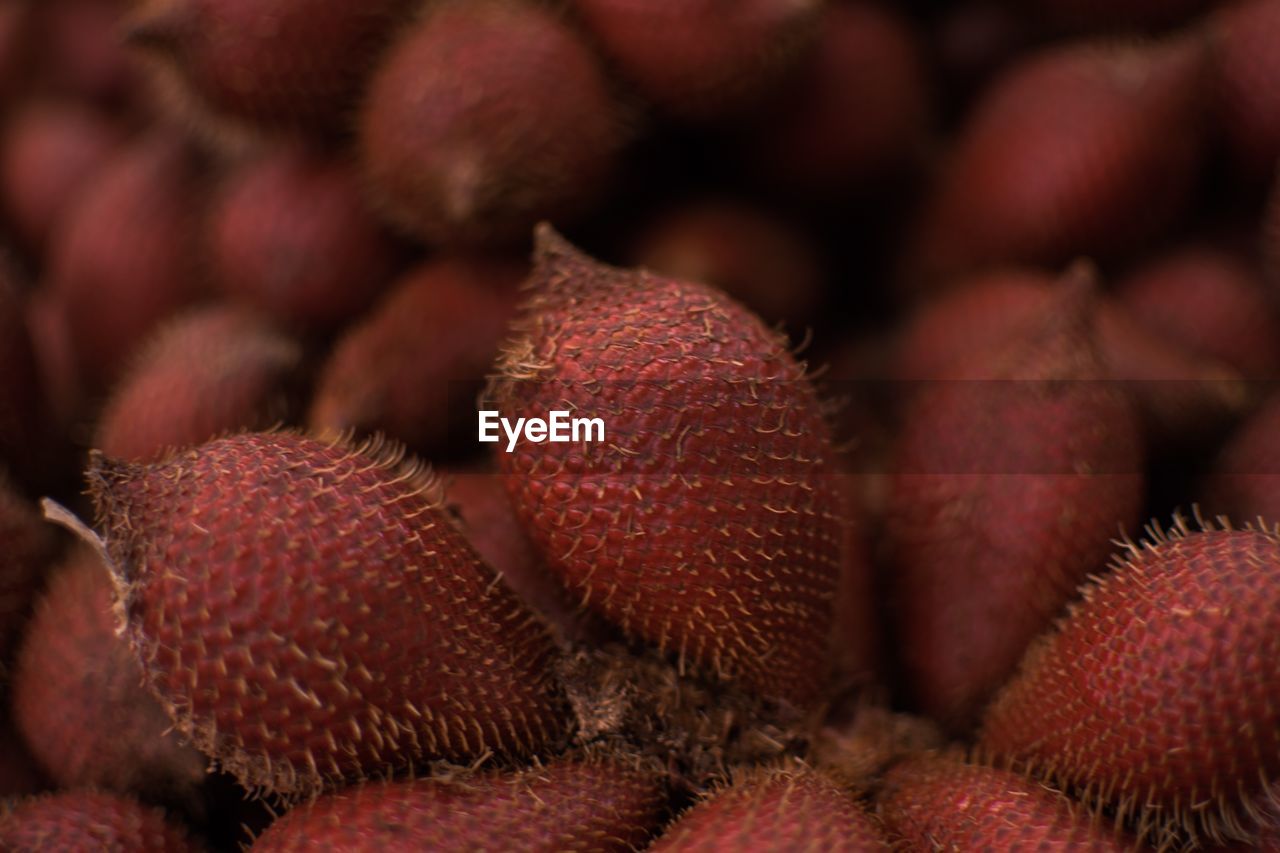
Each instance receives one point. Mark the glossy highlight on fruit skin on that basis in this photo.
(348, 630)
(1157, 694)
(567, 805)
(709, 523)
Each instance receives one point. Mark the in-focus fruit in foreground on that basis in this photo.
(309, 613)
(1159, 695)
(709, 522)
(571, 804)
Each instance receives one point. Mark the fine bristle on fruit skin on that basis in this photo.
(703, 60)
(214, 370)
(289, 235)
(574, 804)
(485, 117)
(1012, 476)
(286, 682)
(88, 820)
(1157, 695)
(775, 809)
(412, 368)
(938, 802)
(708, 523)
(79, 698)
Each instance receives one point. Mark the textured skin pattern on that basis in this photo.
(413, 367)
(79, 698)
(1082, 149)
(708, 523)
(1006, 493)
(702, 59)
(566, 806)
(1247, 68)
(776, 810)
(934, 803)
(84, 820)
(486, 117)
(1245, 481)
(290, 235)
(276, 62)
(1160, 693)
(26, 546)
(215, 370)
(311, 613)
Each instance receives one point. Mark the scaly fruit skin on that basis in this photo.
(709, 522)
(413, 366)
(776, 809)
(1160, 693)
(1247, 81)
(1081, 149)
(309, 613)
(79, 699)
(569, 805)
(1012, 476)
(1245, 480)
(275, 63)
(487, 116)
(126, 256)
(703, 60)
(86, 820)
(937, 802)
(212, 371)
(1211, 303)
(290, 235)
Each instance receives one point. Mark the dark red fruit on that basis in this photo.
(709, 522)
(1012, 476)
(289, 234)
(776, 809)
(79, 698)
(1247, 82)
(1094, 15)
(271, 62)
(935, 802)
(215, 370)
(412, 368)
(1245, 480)
(1081, 149)
(80, 51)
(86, 820)
(127, 255)
(570, 805)
(487, 116)
(309, 613)
(703, 60)
(26, 546)
(1157, 695)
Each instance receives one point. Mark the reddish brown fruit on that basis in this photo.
(1098, 15)
(274, 63)
(127, 256)
(85, 820)
(412, 368)
(19, 774)
(229, 558)
(487, 116)
(858, 107)
(778, 809)
(932, 802)
(80, 51)
(289, 234)
(1012, 476)
(1245, 480)
(570, 805)
(26, 546)
(1157, 695)
(51, 150)
(214, 370)
(1082, 149)
(1210, 303)
(79, 698)
(1247, 81)
(709, 522)
(755, 258)
(703, 60)
(1271, 239)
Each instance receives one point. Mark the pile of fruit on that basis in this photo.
(936, 504)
